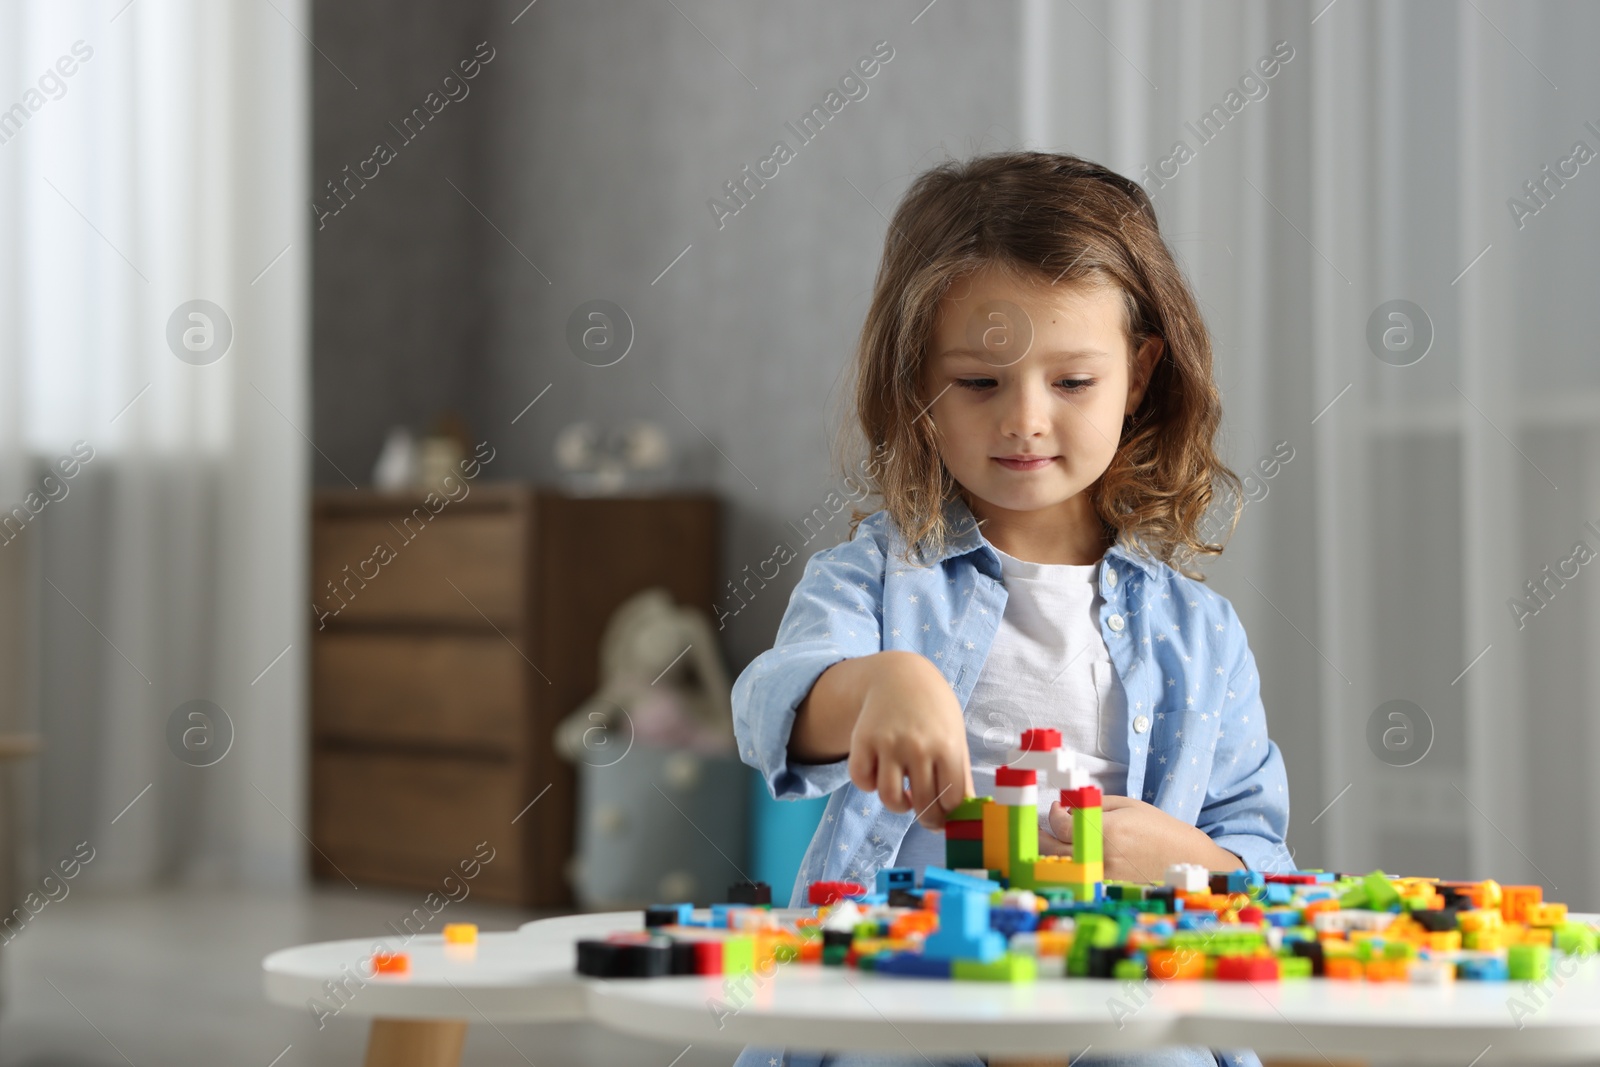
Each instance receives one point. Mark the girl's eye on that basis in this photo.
(1072, 385)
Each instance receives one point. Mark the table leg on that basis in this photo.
(416, 1042)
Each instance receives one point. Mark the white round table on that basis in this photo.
(530, 976)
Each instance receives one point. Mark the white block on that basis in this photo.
(1189, 877)
(1017, 795)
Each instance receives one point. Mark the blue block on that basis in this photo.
(964, 931)
(942, 878)
(1241, 881)
(1278, 893)
(1009, 921)
(685, 912)
(719, 914)
(896, 878)
(1482, 969)
(1283, 918)
(913, 965)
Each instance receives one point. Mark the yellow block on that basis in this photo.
(996, 838)
(1547, 913)
(461, 933)
(1055, 942)
(1445, 941)
(1058, 870)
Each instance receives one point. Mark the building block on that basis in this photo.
(1527, 963)
(831, 892)
(1087, 834)
(752, 893)
(1247, 969)
(997, 838)
(1008, 967)
(460, 933)
(964, 932)
(934, 878)
(1189, 877)
(891, 878)
(391, 963)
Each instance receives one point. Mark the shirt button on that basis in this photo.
(1111, 576)
(1115, 622)
(1141, 724)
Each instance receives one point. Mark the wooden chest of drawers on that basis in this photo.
(446, 647)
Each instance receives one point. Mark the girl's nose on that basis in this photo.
(1026, 411)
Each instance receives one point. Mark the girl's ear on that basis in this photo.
(1144, 365)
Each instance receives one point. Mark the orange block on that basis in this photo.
(1514, 901)
(1385, 970)
(391, 963)
(1177, 964)
(1316, 907)
(1346, 967)
(811, 950)
(913, 922)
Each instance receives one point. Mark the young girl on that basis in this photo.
(1036, 378)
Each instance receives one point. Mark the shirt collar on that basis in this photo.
(964, 536)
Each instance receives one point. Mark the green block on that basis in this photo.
(832, 955)
(739, 955)
(1022, 825)
(1399, 950)
(1527, 963)
(970, 808)
(1354, 897)
(1093, 931)
(1380, 891)
(1294, 967)
(1575, 939)
(1131, 970)
(1088, 836)
(1011, 967)
(958, 854)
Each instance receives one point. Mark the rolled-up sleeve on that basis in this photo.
(1247, 801)
(835, 613)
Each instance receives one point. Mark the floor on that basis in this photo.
(173, 978)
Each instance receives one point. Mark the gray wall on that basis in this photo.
(616, 124)
(592, 143)
(400, 302)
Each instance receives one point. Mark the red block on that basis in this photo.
(1040, 740)
(1291, 879)
(833, 892)
(1087, 797)
(965, 830)
(708, 957)
(1014, 776)
(1251, 915)
(1247, 969)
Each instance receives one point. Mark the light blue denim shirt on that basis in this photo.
(1197, 733)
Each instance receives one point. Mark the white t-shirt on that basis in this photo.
(1048, 668)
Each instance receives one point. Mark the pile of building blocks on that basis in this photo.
(998, 911)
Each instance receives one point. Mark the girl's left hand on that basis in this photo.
(1142, 841)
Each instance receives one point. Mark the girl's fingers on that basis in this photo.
(924, 791)
(892, 785)
(1061, 821)
(863, 768)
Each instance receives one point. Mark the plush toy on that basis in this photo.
(662, 682)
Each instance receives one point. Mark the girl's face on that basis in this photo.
(1029, 384)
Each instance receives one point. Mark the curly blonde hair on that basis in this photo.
(1058, 219)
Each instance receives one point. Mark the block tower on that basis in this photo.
(1000, 834)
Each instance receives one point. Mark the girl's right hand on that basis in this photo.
(911, 726)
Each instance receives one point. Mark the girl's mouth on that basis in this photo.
(1024, 463)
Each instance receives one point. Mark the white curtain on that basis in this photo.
(154, 153)
(1386, 561)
